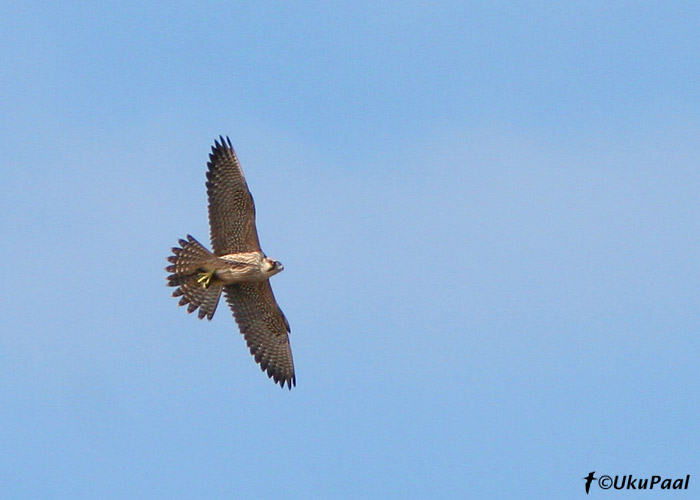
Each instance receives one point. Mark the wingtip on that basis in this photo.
(288, 381)
(222, 142)
(280, 379)
(215, 148)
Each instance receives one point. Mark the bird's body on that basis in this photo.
(245, 266)
(237, 266)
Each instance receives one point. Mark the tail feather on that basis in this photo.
(195, 296)
(187, 262)
(189, 259)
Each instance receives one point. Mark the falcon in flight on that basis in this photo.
(238, 267)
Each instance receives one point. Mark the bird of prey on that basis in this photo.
(237, 266)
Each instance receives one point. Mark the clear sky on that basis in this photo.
(488, 214)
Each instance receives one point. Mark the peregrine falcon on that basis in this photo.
(237, 266)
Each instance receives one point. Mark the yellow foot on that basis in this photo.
(205, 278)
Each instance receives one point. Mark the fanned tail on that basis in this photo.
(190, 262)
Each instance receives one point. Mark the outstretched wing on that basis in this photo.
(231, 207)
(264, 328)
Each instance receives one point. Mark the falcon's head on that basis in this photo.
(272, 266)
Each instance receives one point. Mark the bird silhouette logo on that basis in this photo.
(589, 479)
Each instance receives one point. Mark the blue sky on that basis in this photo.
(488, 216)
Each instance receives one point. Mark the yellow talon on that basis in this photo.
(205, 278)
